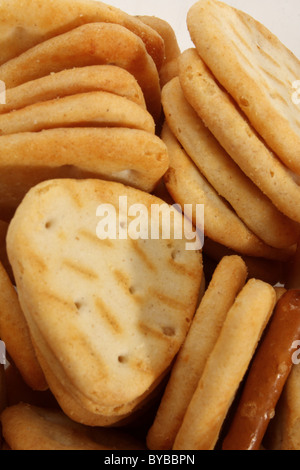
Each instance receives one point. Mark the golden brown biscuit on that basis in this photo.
(26, 427)
(255, 68)
(169, 67)
(93, 284)
(130, 156)
(234, 132)
(94, 109)
(107, 78)
(250, 204)
(226, 367)
(65, 15)
(91, 44)
(228, 279)
(187, 186)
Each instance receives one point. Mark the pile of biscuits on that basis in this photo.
(117, 336)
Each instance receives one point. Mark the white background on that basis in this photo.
(282, 17)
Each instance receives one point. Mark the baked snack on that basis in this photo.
(255, 68)
(227, 281)
(99, 300)
(225, 370)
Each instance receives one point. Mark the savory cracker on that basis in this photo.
(228, 279)
(95, 301)
(107, 78)
(133, 157)
(255, 68)
(169, 68)
(226, 367)
(250, 204)
(16, 336)
(91, 44)
(27, 24)
(187, 186)
(94, 109)
(27, 427)
(236, 135)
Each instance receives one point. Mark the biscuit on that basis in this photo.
(250, 204)
(27, 427)
(16, 336)
(107, 78)
(65, 15)
(255, 68)
(93, 284)
(91, 44)
(94, 109)
(228, 279)
(236, 135)
(126, 155)
(226, 367)
(187, 186)
(169, 68)
(129, 156)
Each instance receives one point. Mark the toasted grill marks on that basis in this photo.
(166, 300)
(181, 268)
(83, 271)
(142, 255)
(61, 302)
(107, 315)
(148, 330)
(91, 237)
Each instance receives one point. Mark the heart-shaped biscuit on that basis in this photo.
(108, 316)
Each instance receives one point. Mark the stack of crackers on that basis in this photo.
(118, 339)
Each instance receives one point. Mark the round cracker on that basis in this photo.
(255, 68)
(187, 186)
(93, 109)
(250, 204)
(227, 281)
(91, 44)
(226, 367)
(236, 135)
(34, 15)
(129, 156)
(107, 78)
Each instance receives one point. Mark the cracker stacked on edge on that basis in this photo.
(88, 78)
(227, 109)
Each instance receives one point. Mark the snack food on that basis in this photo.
(26, 24)
(187, 186)
(234, 132)
(226, 367)
(130, 156)
(93, 109)
(250, 204)
(228, 279)
(91, 44)
(27, 427)
(108, 78)
(255, 68)
(169, 68)
(267, 376)
(15, 334)
(104, 298)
